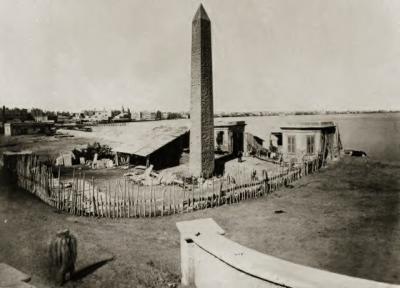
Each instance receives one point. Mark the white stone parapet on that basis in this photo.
(209, 259)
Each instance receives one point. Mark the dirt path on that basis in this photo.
(344, 219)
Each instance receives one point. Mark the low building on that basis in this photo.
(165, 146)
(64, 119)
(15, 114)
(100, 116)
(148, 116)
(135, 116)
(23, 128)
(162, 147)
(301, 141)
(41, 118)
(164, 115)
(77, 117)
(122, 117)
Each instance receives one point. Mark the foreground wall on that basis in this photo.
(208, 259)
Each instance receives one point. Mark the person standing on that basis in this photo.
(240, 155)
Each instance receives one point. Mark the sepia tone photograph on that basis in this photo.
(188, 143)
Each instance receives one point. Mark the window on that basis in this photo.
(220, 138)
(310, 144)
(291, 144)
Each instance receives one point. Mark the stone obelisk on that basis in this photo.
(201, 103)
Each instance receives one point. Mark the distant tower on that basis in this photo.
(201, 104)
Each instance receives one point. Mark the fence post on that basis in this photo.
(113, 199)
(97, 202)
(219, 192)
(59, 189)
(183, 198)
(192, 193)
(173, 197)
(155, 193)
(124, 203)
(129, 200)
(83, 212)
(136, 200)
(74, 194)
(212, 194)
(149, 200)
(109, 203)
(102, 205)
(162, 202)
(144, 202)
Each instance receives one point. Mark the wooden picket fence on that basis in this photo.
(125, 199)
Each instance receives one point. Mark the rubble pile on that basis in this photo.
(147, 176)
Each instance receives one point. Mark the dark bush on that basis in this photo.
(103, 151)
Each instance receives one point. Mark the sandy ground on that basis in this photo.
(345, 219)
(49, 146)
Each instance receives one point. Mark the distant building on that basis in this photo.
(15, 114)
(77, 117)
(40, 118)
(99, 116)
(122, 117)
(63, 119)
(164, 115)
(148, 116)
(136, 116)
(22, 128)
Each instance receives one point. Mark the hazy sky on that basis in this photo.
(267, 54)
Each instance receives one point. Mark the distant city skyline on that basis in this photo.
(276, 55)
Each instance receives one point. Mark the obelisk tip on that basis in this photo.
(201, 14)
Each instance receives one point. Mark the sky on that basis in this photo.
(267, 55)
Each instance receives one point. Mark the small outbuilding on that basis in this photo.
(22, 128)
(308, 140)
(161, 147)
(229, 137)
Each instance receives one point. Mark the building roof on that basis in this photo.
(160, 137)
(309, 125)
(142, 138)
(148, 142)
(229, 123)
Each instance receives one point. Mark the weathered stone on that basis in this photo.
(202, 112)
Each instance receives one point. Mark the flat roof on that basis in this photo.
(220, 123)
(309, 125)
